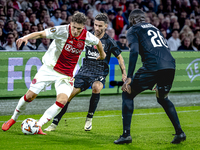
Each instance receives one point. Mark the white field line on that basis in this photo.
(142, 114)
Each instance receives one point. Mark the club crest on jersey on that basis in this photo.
(34, 81)
(53, 29)
(80, 44)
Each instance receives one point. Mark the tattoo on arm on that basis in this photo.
(122, 67)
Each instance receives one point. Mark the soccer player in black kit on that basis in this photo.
(93, 72)
(158, 69)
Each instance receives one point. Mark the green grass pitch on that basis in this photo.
(150, 130)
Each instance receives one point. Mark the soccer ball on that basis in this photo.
(29, 126)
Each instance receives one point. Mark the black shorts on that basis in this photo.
(84, 82)
(145, 79)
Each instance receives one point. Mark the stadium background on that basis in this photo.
(151, 128)
(18, 69)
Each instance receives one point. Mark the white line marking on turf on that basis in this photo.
(143, 114)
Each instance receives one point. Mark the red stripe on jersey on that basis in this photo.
(70, 53)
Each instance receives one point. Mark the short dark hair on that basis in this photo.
(102, 17)
(79, 18)
(175, 30)
(8, 21)
(10, 8)
(9, 34)
(57, 9)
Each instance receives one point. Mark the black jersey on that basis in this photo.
(91, 66)
(148, 41)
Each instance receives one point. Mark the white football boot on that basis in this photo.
(88, 124)
(52, 127)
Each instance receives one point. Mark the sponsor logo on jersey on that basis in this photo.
(193, 69)
(71, 49)
(53, 29)
(93, 55)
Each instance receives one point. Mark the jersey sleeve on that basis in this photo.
(56, 32)
(134, 51)
(91, 39)
(115, 49)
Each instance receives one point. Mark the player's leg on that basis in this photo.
(127, 111)
(35, 88)
(163, 88)
(53, 110)
(80, 84)
(63, 90)
(140, 82)
(96, 88)
(21, 106)
(58, 117)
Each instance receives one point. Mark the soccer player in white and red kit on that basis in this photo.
(58, 65)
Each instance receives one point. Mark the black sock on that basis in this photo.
(127, 111)
(171, 113)
(57, 118)
(126, 133)
(93, 104)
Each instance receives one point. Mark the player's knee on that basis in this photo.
(96, 89)
(62, 98)
(30, 96)
(162, 91)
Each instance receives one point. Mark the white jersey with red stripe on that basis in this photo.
(64, 51)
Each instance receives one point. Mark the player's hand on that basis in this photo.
(102, 56)
(20, 41)
(124, 77)
(126, 87)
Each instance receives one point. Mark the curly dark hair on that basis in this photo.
(136, 16)
(102, 17)
(79, 18)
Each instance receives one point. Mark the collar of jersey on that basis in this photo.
(70, 34)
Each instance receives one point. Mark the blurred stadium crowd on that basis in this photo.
(178, 20)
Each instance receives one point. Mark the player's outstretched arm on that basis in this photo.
(102, 54)
(122, 67)
(34, 35)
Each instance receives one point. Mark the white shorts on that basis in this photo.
(47, 76)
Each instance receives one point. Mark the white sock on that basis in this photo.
(50, 113)
(20, 107)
